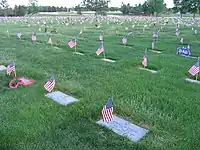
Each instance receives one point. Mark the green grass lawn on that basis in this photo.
(163, 103)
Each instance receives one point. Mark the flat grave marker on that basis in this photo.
(77, 53)
(61, 98)
(192, 81)
(2, 67)
(155, 51)
(125, 128)
(108, 60)
(152, 71)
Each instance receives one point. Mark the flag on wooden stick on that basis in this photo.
(33, 37)
(100, 49)
(195, 69)
(144, 61)
(101, 37)
(124, 40)
(19, 35)
(50, 41)
(181, 40)
(50, 84)
(10, 68)
(107, 111)
(72, 43)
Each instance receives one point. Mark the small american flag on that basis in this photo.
(10, 68)
(107, 111)
(181, 40)
(124, 40)
(50, 41)
(101, 37)
(144, 61)
(33, 37)
(50, 84)
(100, 49)
(194, 69)
(72, 43)
(18, 35)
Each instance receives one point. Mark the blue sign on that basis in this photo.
(183, 51)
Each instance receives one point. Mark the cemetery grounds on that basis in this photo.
(163, 103)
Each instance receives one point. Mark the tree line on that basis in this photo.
(187, 6)
(149, 7)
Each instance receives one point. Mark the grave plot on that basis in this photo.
(61, 98)
(2, 68)
(125, 128)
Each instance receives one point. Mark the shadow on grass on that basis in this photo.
(4, 80)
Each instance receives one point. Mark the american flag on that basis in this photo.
(50, 41)
(107, 111)
(50, 84)
(10, 68)
(144, 61)
(194, 69)
(100, 49)
(72, 43)
(18, 34)
(124, 40)
(101, 37)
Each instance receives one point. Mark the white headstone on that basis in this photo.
(61, 98)
(152, 71)
(125, 128)
(2, 68)
(192, 81)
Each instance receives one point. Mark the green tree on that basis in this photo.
(4, 6)
(99, 6)
(156, 6)
(181, 6)
(193, 6)
(78, 9)
(33, 8)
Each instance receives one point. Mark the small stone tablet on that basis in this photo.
(125, 128)
(155, 51)
(77, 53)
(2, 68)
(108, 60)
(152, 71)
(61, 98)
(192, 81)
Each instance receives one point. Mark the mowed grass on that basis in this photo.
(163, 103)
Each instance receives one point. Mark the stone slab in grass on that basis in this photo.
(192, 81)
(155, 51)
(56, 47)
(193, 57)
(108, 60)
(125, 128)
(2, 67)
(77, 53)
(61, 98)
(152, 71)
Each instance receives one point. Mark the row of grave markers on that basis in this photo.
(109, 120)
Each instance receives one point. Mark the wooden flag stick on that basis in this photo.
(75, 46)
(15, 71)
(198, 72)
(104, 55)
